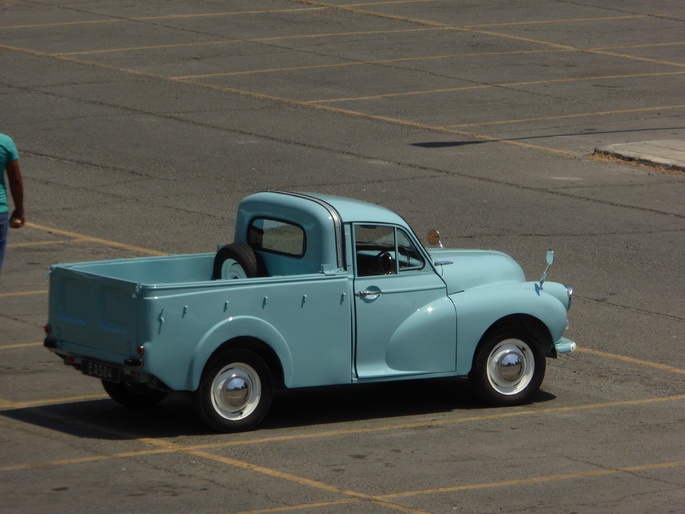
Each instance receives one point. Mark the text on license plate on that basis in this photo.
(101, 370)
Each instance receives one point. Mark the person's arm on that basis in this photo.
(16, 185)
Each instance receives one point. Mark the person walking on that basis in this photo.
(9, 162)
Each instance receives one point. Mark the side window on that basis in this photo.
(409, 256)
(277, 236)
(375, 250)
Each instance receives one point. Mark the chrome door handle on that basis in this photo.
(364, 294)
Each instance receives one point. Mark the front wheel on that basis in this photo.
(235, 392)
(508, 367)
(133, 395)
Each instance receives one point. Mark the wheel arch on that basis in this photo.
(523, 321)
(259, 348)
(247, 333)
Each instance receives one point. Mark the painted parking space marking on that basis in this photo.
(435, 128)
(8, 404)
(359, 498)
(488, 485)
(46, 243)
(319, 435)
(533, 480)
(632, 360)
(569, 116)
(244, 40)
(498, 85)
(82, 237)
(20, 345)
(153, 18)
(367, 63)
(384, 500)
(23, 293)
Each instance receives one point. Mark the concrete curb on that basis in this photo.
(669, 153)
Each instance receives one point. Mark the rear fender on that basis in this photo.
(238, 328)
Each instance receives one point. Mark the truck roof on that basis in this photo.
(350, 210)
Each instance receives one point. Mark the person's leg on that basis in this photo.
(4, 223)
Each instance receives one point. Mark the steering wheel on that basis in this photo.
(386, 263)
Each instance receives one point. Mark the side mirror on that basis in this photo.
(550, 261)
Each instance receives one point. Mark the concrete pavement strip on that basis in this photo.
(669, 153)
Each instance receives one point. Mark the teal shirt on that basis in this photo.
(8, 153)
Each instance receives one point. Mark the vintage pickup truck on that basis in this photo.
(315, 290)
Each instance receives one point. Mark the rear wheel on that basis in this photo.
(133, 395)
(509, 367)
(235, 392)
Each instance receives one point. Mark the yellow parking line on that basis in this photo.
(20, 345)
(57, 401)
(301, 506)
(42, 243)
(642, 45)
(509, 413)
(637, 58)
(245, 40)
(407, 123)
(23, 293)
(566, 116)
(384, 500)
(468, 28)
(556, 21)
(152, 18)
(472, 487)
(488, 86)
(450, 421)
(167, 447)
(83, 237)
(79, 460)
(475, 29)
(365, 63)
(632, 360)
(534, 480)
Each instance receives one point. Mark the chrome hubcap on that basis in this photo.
(236, 391)
(511, 366)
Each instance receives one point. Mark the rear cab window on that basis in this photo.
(277, 236)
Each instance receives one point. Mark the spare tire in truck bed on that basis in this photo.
(234, 261)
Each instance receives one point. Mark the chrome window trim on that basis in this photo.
(335, 216)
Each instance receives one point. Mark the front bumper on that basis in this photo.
(565, 346)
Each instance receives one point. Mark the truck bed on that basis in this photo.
(105, 310)
(94, 304)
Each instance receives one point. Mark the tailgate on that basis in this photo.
(94, 312)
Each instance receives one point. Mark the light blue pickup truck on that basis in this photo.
(315, 290)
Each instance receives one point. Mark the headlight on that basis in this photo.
(569, 291)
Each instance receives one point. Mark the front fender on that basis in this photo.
(479, 309)
(237, 327)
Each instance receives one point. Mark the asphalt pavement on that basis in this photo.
(141, 125)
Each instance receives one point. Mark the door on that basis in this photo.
(405, 323)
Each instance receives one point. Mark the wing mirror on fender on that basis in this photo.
(550, 261)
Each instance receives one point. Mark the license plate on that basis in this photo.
(101, 370)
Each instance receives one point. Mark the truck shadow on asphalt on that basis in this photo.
(175, 416)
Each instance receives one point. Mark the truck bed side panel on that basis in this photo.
(306, 320)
